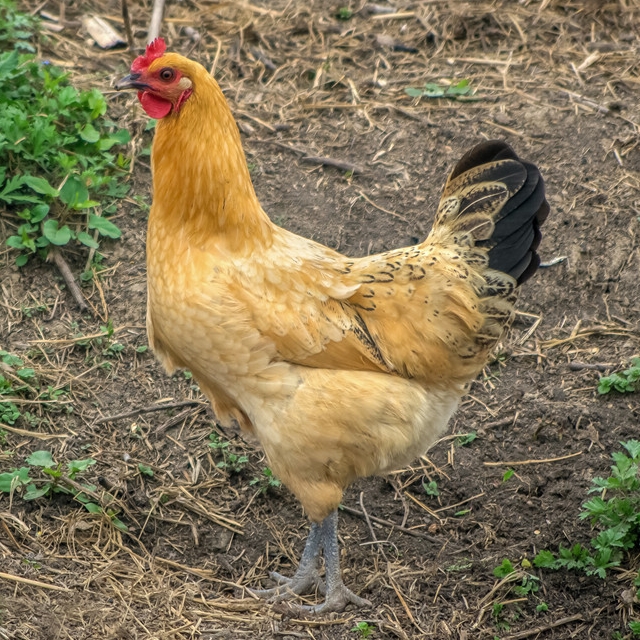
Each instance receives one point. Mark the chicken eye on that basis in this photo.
(166, 74)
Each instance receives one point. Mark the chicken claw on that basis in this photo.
(322, 537)
(305, 579)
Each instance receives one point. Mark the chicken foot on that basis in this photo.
(305, 579)
(322, 537)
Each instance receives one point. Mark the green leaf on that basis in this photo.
(119, 524)
(40, 185)
(431, 488)
(33, 493)
(55, 235)
(41, 459)
(92, 507)
(74, 191)
(77, 466)
(38, 213)
(87, 240)
(145, 470)
(460, 89)
(104, 227)
(545, 560)
(15, 242)
(507, 474)
(9, 481)
(89, 133)
(122, 136)
(21, 260)
(413, 92)
(466, 438)
(633, 447)
(504, 569)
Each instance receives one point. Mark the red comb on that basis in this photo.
(155, 49)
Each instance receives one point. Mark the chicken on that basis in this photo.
(341, 367)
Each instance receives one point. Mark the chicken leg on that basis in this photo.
(322, 537)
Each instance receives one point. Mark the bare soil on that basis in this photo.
(557, 79)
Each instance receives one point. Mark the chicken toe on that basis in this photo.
(306, 578)
(337, 595)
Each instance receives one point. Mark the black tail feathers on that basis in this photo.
(516, 237)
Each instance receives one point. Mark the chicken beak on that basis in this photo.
(132, 81)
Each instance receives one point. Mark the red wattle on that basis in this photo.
(154, 106)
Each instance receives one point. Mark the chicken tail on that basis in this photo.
(495, 201)
(489, 215)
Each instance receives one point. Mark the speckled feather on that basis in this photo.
(341, 367)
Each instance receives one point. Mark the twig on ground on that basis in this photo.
(33, 583)
(33, 434)
(388, 523)
(156, 20)
(423, 506)
(177, 419)
(595, 366)
(56, 257)
(505, 422)
(368, 520)
(513, 463)
(149, 409)
(459, 504)
(578, 617)
(127, 25)
(379, 208)
(331, 162)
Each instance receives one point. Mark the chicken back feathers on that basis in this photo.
(342, 367)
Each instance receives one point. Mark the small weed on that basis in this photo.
(54, 477)
(364, 629)
(9, 413)
(498, 620)
(113, 350)
(145, 470)
(266, 481)
(542, 607)
(431, 488)
(635, 628)
(466, 438)
(462, 566)
(95, 268)
(29, 311)
(520, 582)
(618, 517)
(454, 91)
(626, 381)
(344, 13)
(231, 461)
(507, 475)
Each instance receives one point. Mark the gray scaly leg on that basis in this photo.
(305, 579)
(337, 595)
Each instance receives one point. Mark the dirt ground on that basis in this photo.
(557, 79)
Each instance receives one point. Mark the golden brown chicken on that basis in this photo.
(341, 367)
